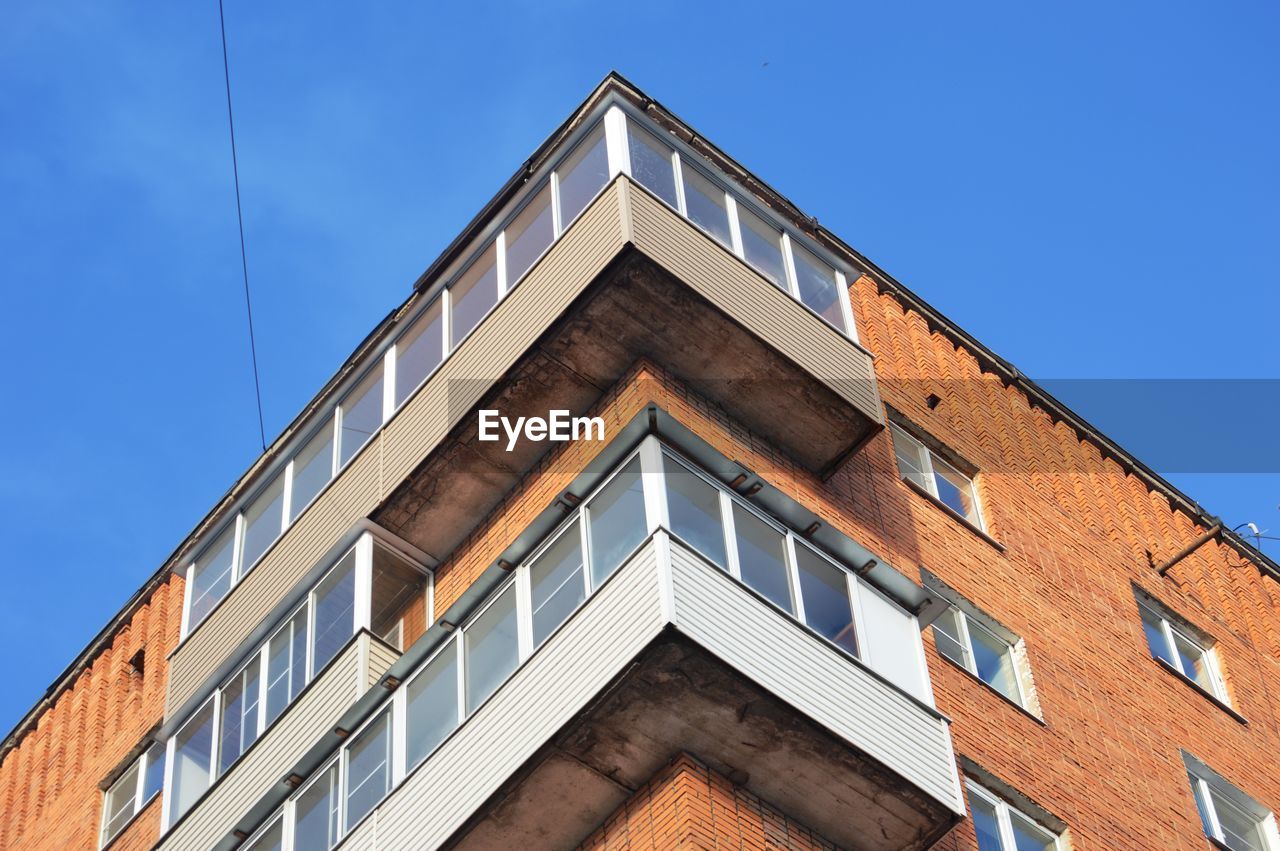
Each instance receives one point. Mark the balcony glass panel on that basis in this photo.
(398, 588)
(762, 558)
(762, 246)
(492, 648)
(432, 704)
(473, 294)
(192, 761)
(211, 576)
(239, 725)
(693, 506)
(271, 839)
(312, 469)
(557, 583)
(263, 522)
(419, 351)
(824, 591)
(617, 521)
(368, 769)
(286, 664)
(529, 235)
(315, 814)
(361, 415)
(818, 287)
(335, 605)
(707, 206)
(651, 164)
(583, 173)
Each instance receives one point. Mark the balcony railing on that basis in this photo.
(653, 495)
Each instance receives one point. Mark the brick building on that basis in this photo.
(836, 576)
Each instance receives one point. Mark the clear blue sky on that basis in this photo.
(1091, 189)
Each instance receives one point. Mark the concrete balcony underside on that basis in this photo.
(672, 655)
(629, 279)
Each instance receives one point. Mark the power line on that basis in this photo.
(244, 258)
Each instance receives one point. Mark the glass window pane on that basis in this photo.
(492, 648)
(824, 590)
(263, 521)
(956, 490)
(908, 452)
(529, 234)
(762, 246)
(120, 801)
(211, 576)
(1154, 630)
(762, 557)
(475, 291)
(286, 664)
(418, 352)
(368, 769)
(816, 282)
(271, 839)
(946, 633)
(1241, 831)
(651, 164)
(694, 509)
(706, 205)
(617, 520)
(312, 469)
(1193, 661)
(993, 659)
(361, 415)
(985, 824)
(192, 757)
(581, 176)
(315, 814)
(398, 587)
(556, 584)
(153, 782)
(335, 621)
(239, 725)
(432, 705)
(1029, 836)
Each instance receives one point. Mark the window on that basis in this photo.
(361, 415)
(192, 761)
(492, 648)
(335, 605)
(432, 704)
(398, 588)
(286, 664)
(368, 769)
(1000, 827)
(557, 583)
(922, 466)
(582, 174)
(1181, 648)
(1230, 817)
(312, 469)
(762, 246)
(263, 522)
(132, 791)
(693, 505)
(529, 234)
(210, 577)
(617, 521)
(707, 204)
(824, 591)
(471, 296)
(315, 813)
(269, 839)
(762, 560)
(239, 727)
(818, 286)
(419, 351)
(980, 646)
(652, 164)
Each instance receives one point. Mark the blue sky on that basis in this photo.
(1089, 189)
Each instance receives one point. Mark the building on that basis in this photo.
(835, 576)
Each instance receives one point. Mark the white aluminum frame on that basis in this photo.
(925, 456)
(1005, 813)
(1204, 780)
(963, 617)
(140, 799)
(1181, 629)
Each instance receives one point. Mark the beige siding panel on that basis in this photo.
(786, 659)
(283, 744)
(753, 301)
(381, 657)
(555, 683)
(570, 265)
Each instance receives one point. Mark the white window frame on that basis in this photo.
(1171, 626)
(1203, 780)
(140, 799)
(925, 456)
(965, 612)
(1005, 813)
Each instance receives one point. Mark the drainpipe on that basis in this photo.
(1214, 532)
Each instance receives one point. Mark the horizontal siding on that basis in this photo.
(572, 264)
(381, 657)
(283, 744)
(754, 302)
(784, 658)
(553, 686)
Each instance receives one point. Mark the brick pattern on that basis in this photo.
(687, 805)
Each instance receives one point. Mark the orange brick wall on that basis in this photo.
(687, 805)
(49, 783)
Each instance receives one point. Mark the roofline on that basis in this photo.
(615, 84)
